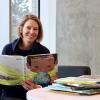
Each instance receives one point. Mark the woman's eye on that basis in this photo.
(28, 27)
(35, 29)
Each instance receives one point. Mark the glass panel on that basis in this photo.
(19, 8)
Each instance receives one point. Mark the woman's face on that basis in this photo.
(30, 31)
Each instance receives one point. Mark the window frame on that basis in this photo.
(10, 19)
(49, 23)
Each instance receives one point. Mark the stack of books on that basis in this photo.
(84, 85)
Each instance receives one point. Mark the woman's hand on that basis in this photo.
(28, 85)
(54, 78)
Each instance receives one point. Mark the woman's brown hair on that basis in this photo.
(32, 17)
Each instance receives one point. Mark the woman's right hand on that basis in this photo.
(29, 85)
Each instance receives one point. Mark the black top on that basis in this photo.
(12, 49)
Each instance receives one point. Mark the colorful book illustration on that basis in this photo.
(86, 85)
(60, 88)
(14, 69)
(78, 80)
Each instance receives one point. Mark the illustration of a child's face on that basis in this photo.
(43, 64)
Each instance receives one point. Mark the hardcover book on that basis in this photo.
(84, 85)
(62, 88)
(14, 69)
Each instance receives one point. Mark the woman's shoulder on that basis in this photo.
(7, 48)
(42, 48)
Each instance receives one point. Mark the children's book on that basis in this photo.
(14, 69)
(79, 80)
(81, 83)
(60, 88)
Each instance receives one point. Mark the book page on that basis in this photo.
(41, 65)
(42, 62)
(11, 69)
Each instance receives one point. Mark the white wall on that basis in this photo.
(4, 23)
(48, 18)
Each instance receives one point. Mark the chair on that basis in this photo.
(67, 71)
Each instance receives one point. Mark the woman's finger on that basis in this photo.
(28, 85)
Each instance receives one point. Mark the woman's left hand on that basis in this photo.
(29, 85)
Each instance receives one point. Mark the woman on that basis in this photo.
(30, 33)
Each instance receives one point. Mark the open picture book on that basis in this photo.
(14, 69)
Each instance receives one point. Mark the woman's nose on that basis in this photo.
(32, 31)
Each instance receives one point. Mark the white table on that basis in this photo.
(45, 94)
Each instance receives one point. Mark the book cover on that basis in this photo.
(81, 82)
(14, 69)
(60, 88)
(78, 80)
